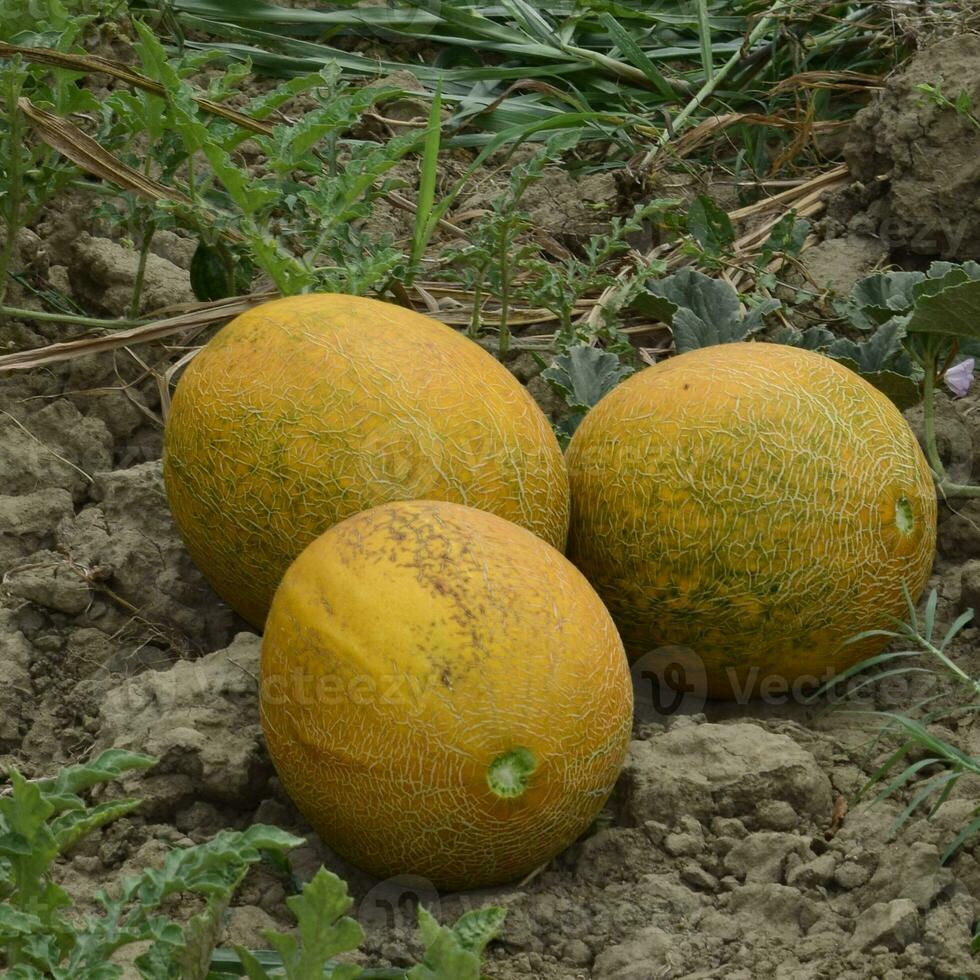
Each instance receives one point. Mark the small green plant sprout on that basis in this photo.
(558, 286)
(43, 936)
(496, 248)
(938, 765)
(962, 104)
(582, 375)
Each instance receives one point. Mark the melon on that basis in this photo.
(755, 506)
(443, 694)
(306, 410)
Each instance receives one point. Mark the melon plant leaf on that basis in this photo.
(106, 766)
(882, 361)
(72, 826)
(476, 928)
(874, 354)
(446, 957)
(702, 311)
(324, 930)
(954, 312)
(813, 338)
(883, 294)
(584, 374)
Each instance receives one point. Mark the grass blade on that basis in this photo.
(425, 219)
(960, 839)
(637, 56)
(704, 34)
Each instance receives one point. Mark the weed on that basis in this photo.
(42, 934)
(937, 765)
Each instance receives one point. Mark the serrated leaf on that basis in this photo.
(883, 294)
(105, 767)
(14, 923)
(874, 354)
(445, 957)
(324, 930)
(584, 374)
(702, 311)
(476, 928)
(73, 825)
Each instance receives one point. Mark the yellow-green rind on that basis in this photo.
(306, 410)
(420, 652)
(756, 503)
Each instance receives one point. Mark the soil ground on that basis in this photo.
(733, 846)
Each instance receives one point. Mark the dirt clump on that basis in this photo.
(914, 157)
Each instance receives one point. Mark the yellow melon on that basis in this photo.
(443, 694)
(756, 504)
(306, 410)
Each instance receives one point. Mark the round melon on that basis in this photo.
(443, 694)
(306, 410)
(756, 505)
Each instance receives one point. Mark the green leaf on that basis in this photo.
(71, 826)
(954, 312)
(584, 374)
(324, 930)
(882, 361)
(104, 768)
(476, 928)
(702, 311)
(445, 958)
(883, 294)
(710, 225)
(425, 218)
(14, 923)
(813, 338)
(787, 237)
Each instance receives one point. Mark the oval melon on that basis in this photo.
(756, 504)
(443, 694)
(306, 410)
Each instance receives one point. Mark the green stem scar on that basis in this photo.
(509, 773)
(904, 518)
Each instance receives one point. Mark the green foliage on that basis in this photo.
(43, 936)
(710, 226)
(936, 764)
(494, 250)
(582, 375)
(702, 311)
(628, 64)
(297, 221)
(31, 174)
(559, 285)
